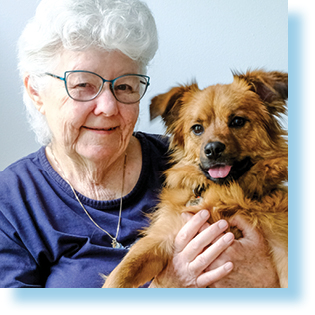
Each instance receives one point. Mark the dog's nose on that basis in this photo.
(213, 150)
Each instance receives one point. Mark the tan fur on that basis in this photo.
(258, 195)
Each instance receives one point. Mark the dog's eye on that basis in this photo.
(238, 122)
(197, 129)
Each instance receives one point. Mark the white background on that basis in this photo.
(201, 39)
(303, 302)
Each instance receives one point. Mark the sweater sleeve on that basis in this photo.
(18, 268)
(46, 239)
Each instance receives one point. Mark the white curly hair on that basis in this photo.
(77, 25)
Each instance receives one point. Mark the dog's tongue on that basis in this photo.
(220, 171)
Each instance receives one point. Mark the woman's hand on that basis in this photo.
(193, 255)
(253, 267)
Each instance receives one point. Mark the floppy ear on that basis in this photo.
(272, 88)
(168, 104)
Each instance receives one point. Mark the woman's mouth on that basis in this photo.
(101, 130)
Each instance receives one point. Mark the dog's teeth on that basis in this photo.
(220, 171)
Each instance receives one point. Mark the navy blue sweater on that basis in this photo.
(47, 240)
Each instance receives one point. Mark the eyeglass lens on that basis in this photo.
(85, 86)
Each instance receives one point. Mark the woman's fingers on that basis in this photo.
(196, 246)
(207, 278)
(190, 229)
(195, 236)
(203, 260)
(204, 239)
(187, 216)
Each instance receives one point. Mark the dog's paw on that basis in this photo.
(237, 233)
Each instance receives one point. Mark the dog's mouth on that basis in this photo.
(222, 173)
(219, 171)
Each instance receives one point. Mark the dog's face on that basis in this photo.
(226, 129)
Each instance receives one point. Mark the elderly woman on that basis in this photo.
(69, 212)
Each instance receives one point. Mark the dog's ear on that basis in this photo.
(168, 104)
(272, 87)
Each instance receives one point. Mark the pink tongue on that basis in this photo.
(220, 171)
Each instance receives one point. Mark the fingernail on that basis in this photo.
(228, 237)
(228, 266)
(204, 213)
(222, 224)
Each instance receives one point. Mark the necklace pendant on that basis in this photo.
(116, 244)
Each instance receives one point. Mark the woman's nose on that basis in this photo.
(106, 103)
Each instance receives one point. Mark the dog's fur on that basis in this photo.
(237, 125)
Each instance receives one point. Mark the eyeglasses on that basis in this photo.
(84, 86)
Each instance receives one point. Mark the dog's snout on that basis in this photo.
(213, 150)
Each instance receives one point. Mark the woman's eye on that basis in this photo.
(238, 122)
(80, 86)
(83, 85)
(197, 129)
(123, 88)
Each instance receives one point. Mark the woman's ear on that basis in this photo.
(33, 94)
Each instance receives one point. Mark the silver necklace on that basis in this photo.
(115, 243)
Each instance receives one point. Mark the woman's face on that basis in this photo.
(97, 129)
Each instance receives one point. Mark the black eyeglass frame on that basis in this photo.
(112, 83)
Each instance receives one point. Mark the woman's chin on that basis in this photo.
(99, 154)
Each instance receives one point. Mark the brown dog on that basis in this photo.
(228, 148)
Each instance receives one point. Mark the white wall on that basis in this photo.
(201, 39)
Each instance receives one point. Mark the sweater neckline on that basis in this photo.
(104, 204)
